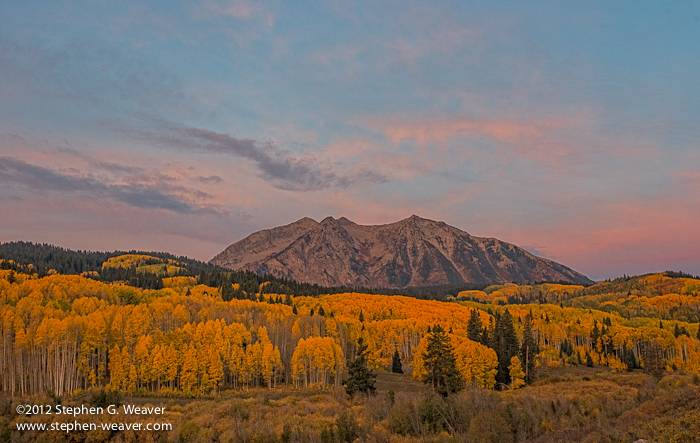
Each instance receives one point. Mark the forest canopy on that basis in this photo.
(196, 335)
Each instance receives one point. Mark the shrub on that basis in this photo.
(348, 429)
(188, 431)
(103, 398)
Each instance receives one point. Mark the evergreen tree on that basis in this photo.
(505, 343)
(528, 349)
(396, 366)
(474, 329)
(595, 333)
(589, 360)
(441, 364)
(361, 378)
(362, 317)
(294, 310)
(698, 334)
(487, 332)
(227, 292)
(321, 312)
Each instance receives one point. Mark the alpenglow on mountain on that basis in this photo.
(411, 252)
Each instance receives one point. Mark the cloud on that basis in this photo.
(115, 167)
(176, 199)
(83, 79)
(215, 179)
(282, 168)
(439, 131)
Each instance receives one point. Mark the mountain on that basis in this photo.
(411, 252)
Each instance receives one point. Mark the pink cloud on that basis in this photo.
(382, 159)
(440, 131)
(632, 237)
(551, 143)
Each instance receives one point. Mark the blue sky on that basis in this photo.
(570, 129)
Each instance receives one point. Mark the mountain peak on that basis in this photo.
(329, 221)
(412, 252)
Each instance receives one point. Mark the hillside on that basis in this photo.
(144, 270)
(187, 341)
(44, 257)
(413, 252)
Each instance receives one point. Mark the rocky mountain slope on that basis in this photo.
(410, 252)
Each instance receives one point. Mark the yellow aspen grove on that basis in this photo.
(475, 362)
(69, 333)
(181, 316)
(271, 362)
(331, 328)
(317, 361)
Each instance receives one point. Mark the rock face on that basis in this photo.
(411, 252)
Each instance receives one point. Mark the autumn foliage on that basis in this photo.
(66, 333)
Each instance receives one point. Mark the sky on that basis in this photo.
(571, 129)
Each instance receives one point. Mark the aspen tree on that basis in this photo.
(133, 379)
(188, 377)
(158, 368)
(216, 369)
(517, 376)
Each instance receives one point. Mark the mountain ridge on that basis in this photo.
(414, 251)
